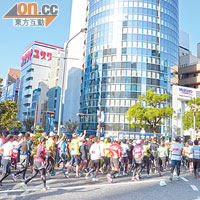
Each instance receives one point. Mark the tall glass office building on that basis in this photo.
(131, 47)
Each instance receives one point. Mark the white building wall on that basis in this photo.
(181, 95)
(76, 50)
(188, 60)
(41, 73)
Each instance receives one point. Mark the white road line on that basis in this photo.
(194, 188)
(184, 179)
(82, 187)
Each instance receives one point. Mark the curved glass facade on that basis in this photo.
(131, 47)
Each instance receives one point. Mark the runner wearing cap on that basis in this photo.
(176, 153)
(95, 154)
(138, 155)
(75, 155)
(115, 154)
(24, 157)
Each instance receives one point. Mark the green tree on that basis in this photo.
(17, 126)
(150, 111)
(28, 123)
(188, 117)
(8, 112)
(1, 80)
(71, 126)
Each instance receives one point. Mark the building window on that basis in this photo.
(29, 79)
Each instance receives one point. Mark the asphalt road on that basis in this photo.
(61, 188)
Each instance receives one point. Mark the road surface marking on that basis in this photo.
(194, 188)
(184, 179)
(82, 187)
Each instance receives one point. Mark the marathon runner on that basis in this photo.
(176, 153)
(115, 154)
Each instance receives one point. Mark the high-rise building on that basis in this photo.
(131, 47)
(36, 69)
(11, 85)
(75, 61)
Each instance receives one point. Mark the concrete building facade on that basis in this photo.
(10, 87)
(34, 80)
(75, 60)
(180, 98)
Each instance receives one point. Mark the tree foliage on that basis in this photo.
(188, 117)
(1, 80)
(8, 112)
(28, 123)
(71, 126)
(150, 111)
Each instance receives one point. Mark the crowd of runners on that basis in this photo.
(88, 157)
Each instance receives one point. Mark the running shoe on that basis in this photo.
(53, 174)
(78, 176)
(148, 175)
(86, 176)
(109, 179)
(24, 186)
(14, 177)
(66, 174)
(44, 189)
(92, 175)
(134, 179)
(125, 174)
(137, 178)
(178, 178)
(95, 179)
(117, 175)
(171, 177)
(64, 170)
(23, 180)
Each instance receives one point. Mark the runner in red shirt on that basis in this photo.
(115, 154)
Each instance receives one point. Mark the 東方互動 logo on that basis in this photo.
(28, 15)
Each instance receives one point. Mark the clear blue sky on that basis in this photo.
(14, 40)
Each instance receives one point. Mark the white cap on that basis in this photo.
(138, 141)
(51, 134)
(32, 135)
(20, 135)
(74, 135)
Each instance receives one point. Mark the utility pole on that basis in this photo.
(194, 108)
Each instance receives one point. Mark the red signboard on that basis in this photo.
(37, 54)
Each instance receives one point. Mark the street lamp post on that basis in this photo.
(194, 108)
(63, 79)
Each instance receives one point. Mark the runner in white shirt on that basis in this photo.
(195, 151)
(6, 150)
(95, 155)
(176, 153)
